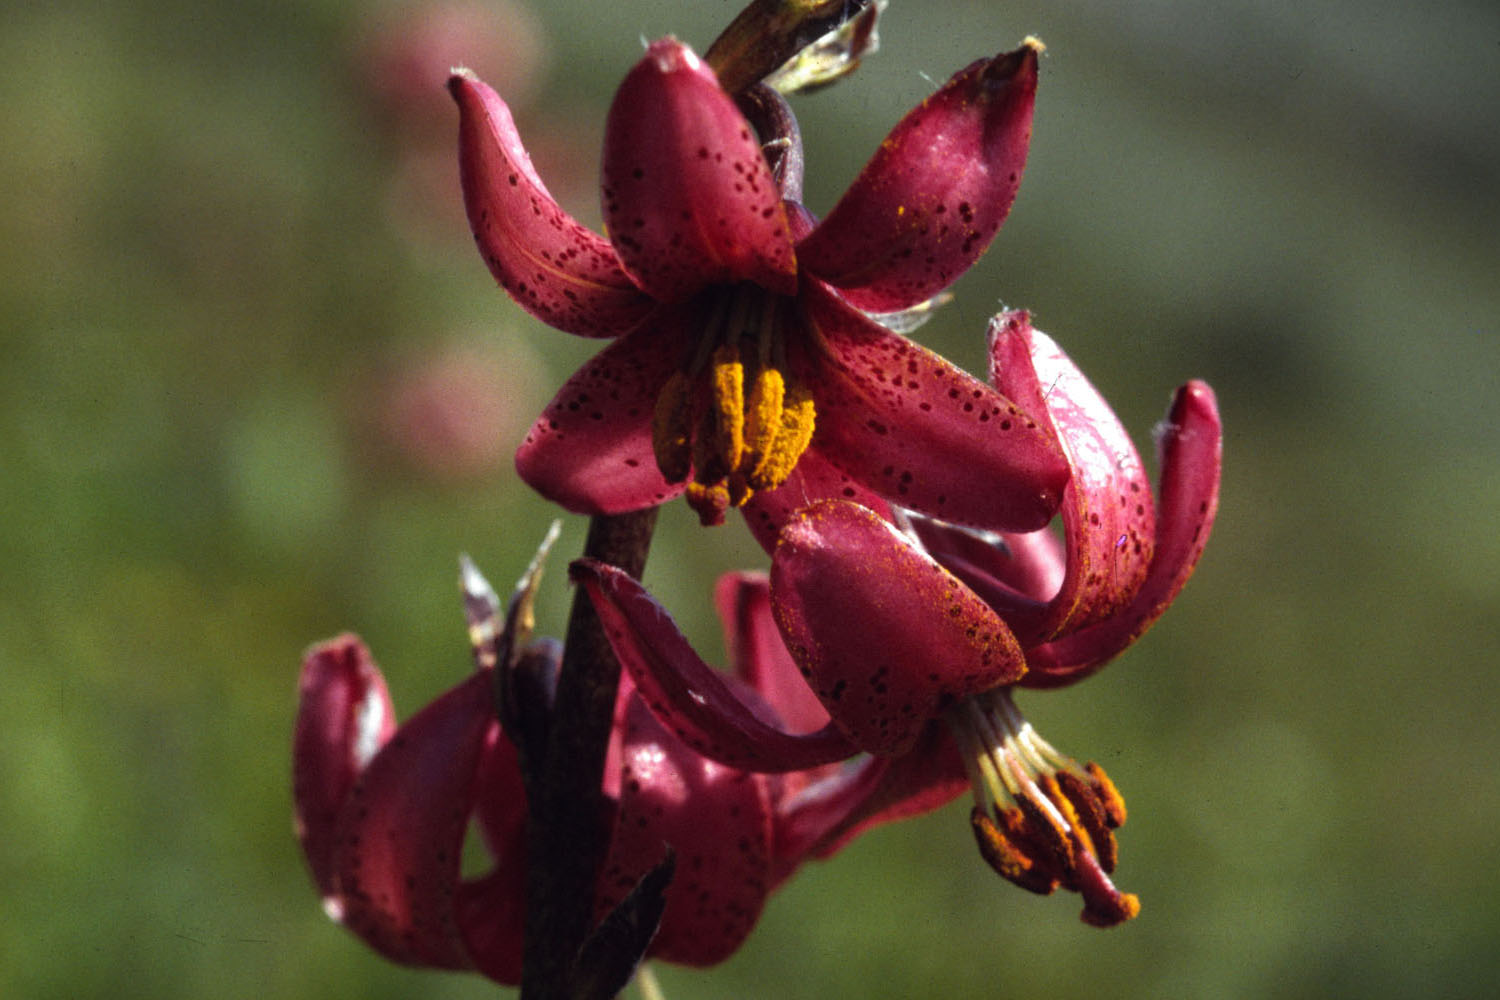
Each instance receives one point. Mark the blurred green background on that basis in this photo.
(256, 388)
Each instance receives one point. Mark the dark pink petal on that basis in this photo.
(554, 267)
(491, 914)
(759, 657)
(814, 478)
(1109, 523)
(885, 636)
(933, 196)
(590, 450)
(1014, 573)
(716, 819)
(688, 198)
(401, 835)
(491, 910)
(822, 818)
(344, 716)
(1191, 446)
(927, 435)
(688, 695)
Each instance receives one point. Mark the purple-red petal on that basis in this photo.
(821, 818)
(590, 450)
(759, 657)
(716, 819)
(1191, 446)
(400, 837)
(688, 695)
(1014, 572)
(1109, 523)
(491, 910)
(885, 636)
(918, 430)
(814, 478)
(553, 266)
(344, 716)
(688, 197)
(933, 196)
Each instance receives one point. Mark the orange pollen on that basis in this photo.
(1040, 819)
(730, 419)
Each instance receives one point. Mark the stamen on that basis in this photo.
(1040, 819)
(705, 425)
(762, 418)
(729, 406)
(792, 439)
(670, 428)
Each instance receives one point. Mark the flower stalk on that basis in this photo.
(565, 842)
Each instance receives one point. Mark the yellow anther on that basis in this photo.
(793, 435)
(728, 407)
(762, 418)
(671, 428)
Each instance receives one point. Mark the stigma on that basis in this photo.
(1041, 820)
(729, 417)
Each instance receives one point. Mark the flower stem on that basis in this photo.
(566, 840)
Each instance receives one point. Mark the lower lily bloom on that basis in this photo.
(913, 640)
(382, 811)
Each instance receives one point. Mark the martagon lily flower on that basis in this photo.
(913, 640)
(741, 340)
(382, 811)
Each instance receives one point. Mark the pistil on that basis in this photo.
(1041, 820)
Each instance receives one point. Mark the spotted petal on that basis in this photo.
(821, 818)
(590, 450)
(1191, 443)
(687, 694)
(400, 838)
(716, 819)
(688, 197)
(344, 716)
(1108, 518)
(553, 266)
(916, 429)
(757, 654)
(932, 198)
(884, 635)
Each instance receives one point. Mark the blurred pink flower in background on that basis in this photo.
(404, 57)
(455, 412)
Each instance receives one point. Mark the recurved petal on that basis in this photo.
(918, 430)
(590, 450)
(553, 266)
(491, 910)
(933, 196)
(820, 819)
(716, 819)
(1190, 442)
(688, 197)
(759, 657)
(1109, 523)
(344, 716)
(1015, 573)
(884, 635)
(400, 839)
(689, 696)
(814, 478)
